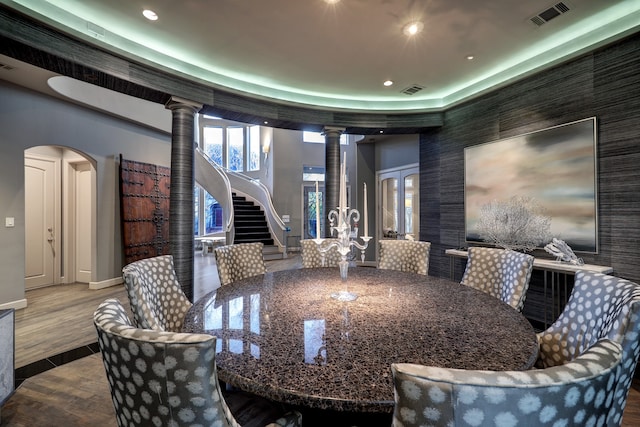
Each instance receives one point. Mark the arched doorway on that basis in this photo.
(60, 216)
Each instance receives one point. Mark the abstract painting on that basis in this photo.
(556, 166)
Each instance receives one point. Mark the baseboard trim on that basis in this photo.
(105, 283)
(21, 303)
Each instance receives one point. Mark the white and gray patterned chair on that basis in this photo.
(238, 261)
(161, 378)
(600, 306)
(404, 255)
(311, 256)
(505, 274)
(156, 298)
(579, 393)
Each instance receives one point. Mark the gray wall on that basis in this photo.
(29, 119)
(396, 150)
(604, 84)
(290, 153)
(366, 161)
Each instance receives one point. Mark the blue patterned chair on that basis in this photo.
(161, 378)
(579, 393)
(404, 255)
(311, 256)
(600, 306)
(505, 274)
(156, 298)
(238, 261)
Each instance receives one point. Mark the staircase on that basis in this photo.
(251, 226)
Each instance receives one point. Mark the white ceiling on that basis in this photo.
(337, 56)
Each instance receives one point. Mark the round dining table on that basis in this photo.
(282, 335)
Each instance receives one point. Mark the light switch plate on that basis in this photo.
(9, 221)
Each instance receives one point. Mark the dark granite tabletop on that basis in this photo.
(281, 335)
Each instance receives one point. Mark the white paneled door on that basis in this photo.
(40, 234)
(83, 222)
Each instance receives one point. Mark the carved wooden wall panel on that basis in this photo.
(144, 201)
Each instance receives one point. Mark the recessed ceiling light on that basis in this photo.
(388, 82)
(413, 28)
(150, 15)
(470, 57)
(331, 1)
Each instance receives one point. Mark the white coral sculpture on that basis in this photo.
(563, 252)
(518, 224)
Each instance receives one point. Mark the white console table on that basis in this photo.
(554, 271)
(209, 242)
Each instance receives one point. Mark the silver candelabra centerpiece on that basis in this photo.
(340, 221)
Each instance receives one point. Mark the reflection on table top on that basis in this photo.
(281, 335)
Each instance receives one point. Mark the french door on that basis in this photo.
(310, 208)
(399, 203)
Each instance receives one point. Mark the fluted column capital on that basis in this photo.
(176, 102)
(331, 131)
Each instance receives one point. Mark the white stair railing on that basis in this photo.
(214, 180)
(242, 185)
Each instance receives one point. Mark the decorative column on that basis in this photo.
(331, 173)
(181, 194)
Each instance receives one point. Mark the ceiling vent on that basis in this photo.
(412, 90)
(547, 15)
(6, 67)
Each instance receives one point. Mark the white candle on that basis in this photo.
(366, 222)
(342, 204)
(344, 180)
(317, 212)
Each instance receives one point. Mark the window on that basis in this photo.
(235, 149)
(212, 138)
(318, 138)
(313, 173)
(232, 145)
(196, 215)
(254, 148)
(208, 217)
(212, 215)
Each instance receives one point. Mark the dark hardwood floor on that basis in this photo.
(60, 373)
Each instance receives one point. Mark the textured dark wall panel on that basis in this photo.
(617, 91)
(181, 225)
(604, 84)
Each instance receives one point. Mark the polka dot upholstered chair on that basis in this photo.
(156, 298)
(238, 261)
(502, 273)
(168, 379)
(311, 256)
(600, 306)
(404, 255)
(579, 393)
